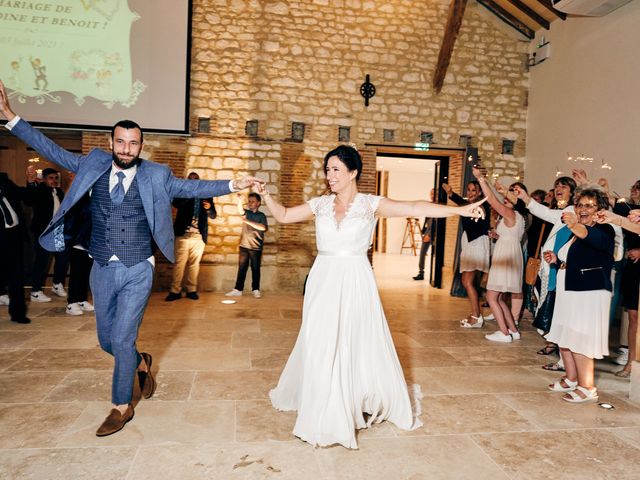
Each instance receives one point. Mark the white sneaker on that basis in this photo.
(233, 293)
(74, 309)
(39, 297)
(623, 356)
(498, 336)
(515, 335)
(59, 290)
(86, 306)
(4, 299)
(257, 294)
(490, 317)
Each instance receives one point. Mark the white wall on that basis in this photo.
(411, 180)
(585, 99)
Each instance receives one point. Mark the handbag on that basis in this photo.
(533, 263)
(544, 315)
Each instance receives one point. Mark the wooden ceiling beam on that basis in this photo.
(531, 13)
(454, 20)
(507, 18)
(549, 6)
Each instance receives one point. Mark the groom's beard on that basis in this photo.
(135, 161)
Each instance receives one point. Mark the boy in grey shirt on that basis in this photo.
(254, 226)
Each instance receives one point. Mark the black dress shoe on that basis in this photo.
(21, 320)
(419, 276)
(115, 421)
(145, 379)
(193, 295)
(173, 296)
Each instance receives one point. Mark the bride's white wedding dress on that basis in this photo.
(343, 373)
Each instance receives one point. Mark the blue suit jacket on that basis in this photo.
(156, 183)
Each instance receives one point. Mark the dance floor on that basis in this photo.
(486, 410)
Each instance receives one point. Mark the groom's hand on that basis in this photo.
(4, 103)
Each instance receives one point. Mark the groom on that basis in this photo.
(130, 209)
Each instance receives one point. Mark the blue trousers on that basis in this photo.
(120, 297)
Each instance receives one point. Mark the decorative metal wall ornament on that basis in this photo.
(388, 135)
(367, 90)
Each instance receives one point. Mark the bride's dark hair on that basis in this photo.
(347, 155)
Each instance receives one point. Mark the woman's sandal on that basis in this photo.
(590, 395)
(548, 350)
(623, 373)
(559, 387)
(478, 324)
(553, 367)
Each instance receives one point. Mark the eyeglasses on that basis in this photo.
(511, 189)
(587, 206)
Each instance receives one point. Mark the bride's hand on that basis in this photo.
(259, 188)
(473, 210)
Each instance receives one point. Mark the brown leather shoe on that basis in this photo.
(145, 379)
(115, 421)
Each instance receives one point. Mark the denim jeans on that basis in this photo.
(120, 297)
(245, 257)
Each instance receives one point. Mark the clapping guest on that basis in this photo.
(505, 274)
(474, 249)
(580, 324)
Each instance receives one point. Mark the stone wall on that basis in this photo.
(280, 62)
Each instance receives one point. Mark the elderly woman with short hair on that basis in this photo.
(580, 324)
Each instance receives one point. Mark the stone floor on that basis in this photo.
(487, 412)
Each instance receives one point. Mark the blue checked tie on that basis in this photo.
(117, 194)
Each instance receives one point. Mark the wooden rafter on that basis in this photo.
(454, 20)
(531, 13)
(547, 4)
(507, 17)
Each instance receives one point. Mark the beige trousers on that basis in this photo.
(189, 249)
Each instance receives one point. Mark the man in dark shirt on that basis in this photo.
(191, 228)
(251, 241)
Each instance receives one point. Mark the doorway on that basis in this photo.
(397, 249)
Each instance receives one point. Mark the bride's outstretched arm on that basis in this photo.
(281, 213)
(422, 208)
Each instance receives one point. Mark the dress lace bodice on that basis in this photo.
(353, 233)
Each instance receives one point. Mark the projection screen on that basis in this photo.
(86, 64)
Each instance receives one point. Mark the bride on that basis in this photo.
(343, 373)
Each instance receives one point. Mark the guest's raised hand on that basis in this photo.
(520, 193)
(580, 176)
(604, 183)
(206, 204)
(605, 216)
(549, 256)
(447, 188)
(477, 173)
(500, 188)
(32, 174)
(569, 219)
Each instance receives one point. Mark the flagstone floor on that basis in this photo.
(486, 410)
